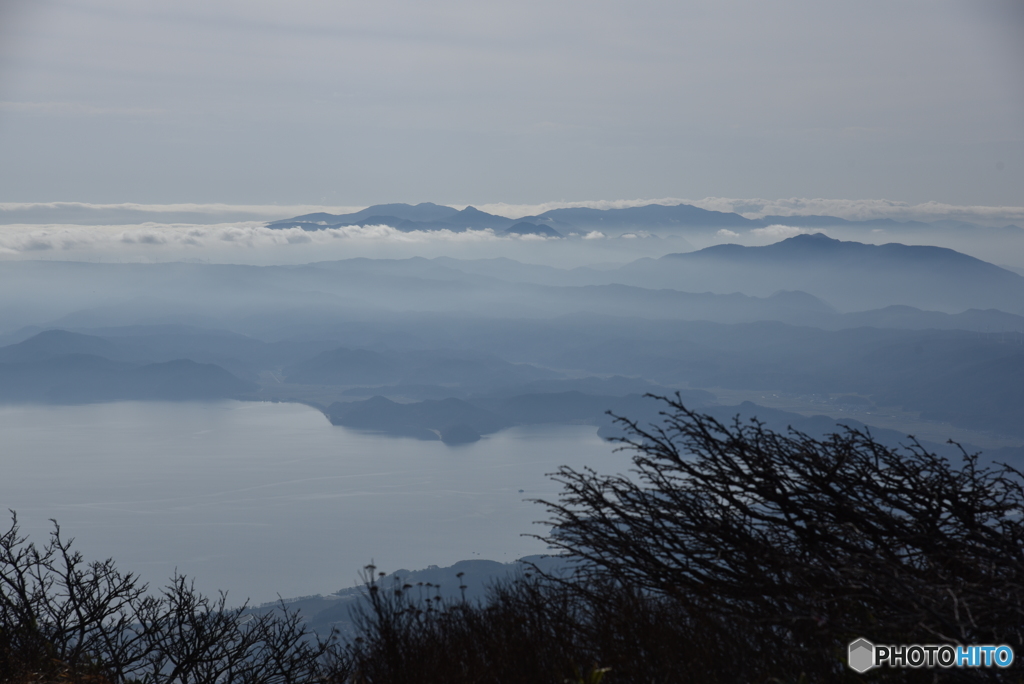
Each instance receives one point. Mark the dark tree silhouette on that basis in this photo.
(819, 541)
(64, 619)
(733, 553)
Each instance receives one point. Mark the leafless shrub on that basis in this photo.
(63, 618)
(807, 543)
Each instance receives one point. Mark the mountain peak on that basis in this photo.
(809, 237)
(470, 209)
(471, 217)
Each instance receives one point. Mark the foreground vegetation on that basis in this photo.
(731, 554)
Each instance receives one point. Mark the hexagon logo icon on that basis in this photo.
(861, 655)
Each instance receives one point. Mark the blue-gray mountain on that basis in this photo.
(428, 216)
(57, 366)
(656, 218)
(729, 284)
(528, 343)
(850, 275)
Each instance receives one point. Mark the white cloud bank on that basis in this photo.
(243, 241)
(521, 210)
(777, 232)
(218, 238)
(253, 243)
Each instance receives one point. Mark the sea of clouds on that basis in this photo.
(85, 213)
(252, 242)
(238, 233)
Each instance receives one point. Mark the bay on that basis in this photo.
(265, 500)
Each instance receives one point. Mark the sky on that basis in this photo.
(339, 103)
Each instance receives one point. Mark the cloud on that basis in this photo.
(144, 236)
(727, 234)
(521, 210)
(780, 232)
(854, 210)
(170, 240)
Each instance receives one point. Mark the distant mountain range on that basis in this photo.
(804, 280)
(61, 367)
(849, 275)
(553, 223)
(668, 219)
(923, 329)
(964, 378)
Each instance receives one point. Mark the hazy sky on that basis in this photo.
(352, 103)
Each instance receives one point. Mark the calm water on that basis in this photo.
(267, 499)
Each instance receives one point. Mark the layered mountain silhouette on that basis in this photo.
(57, 366)
(850, 275)
(559, 222)
(675, 219)
(650, 217)
(426, 211)
(882, 327)
(55, 343)
(405, 217)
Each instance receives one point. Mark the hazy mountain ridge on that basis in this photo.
(487, 332)
(726, 284)
(559, 221)
(968, 379)
(61, 367)
(850, 275)
(658, 218)
(50, 343)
